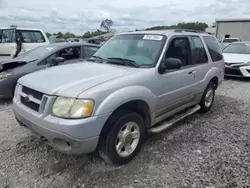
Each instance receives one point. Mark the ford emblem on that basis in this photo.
(27, 99)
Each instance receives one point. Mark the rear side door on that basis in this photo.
(176, 87)
(7, 43)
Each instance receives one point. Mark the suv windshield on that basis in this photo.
(143, 50)
(238, 48)
(36, 53)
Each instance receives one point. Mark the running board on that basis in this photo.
(174, 120)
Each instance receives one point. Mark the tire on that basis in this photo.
(206, 101)
(110, 140)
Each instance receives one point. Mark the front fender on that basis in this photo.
(124, 95)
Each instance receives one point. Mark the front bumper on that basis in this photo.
(72, 137)
(238, 71)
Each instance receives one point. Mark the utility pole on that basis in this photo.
(82, 25)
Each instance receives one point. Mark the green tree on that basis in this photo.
(106, 25)
(182, 25)
(59, 35)
(48, 34)
(93, 34)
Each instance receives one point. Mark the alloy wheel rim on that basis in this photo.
(209, 98)
(127, 139)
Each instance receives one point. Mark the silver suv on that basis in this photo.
(127, 88)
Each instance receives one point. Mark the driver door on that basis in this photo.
(176, 87)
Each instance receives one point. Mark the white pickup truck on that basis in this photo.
(15, 41)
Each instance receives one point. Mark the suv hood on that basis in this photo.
(73, 79)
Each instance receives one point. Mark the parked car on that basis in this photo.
(131, 84)
(229, 40)
(15, 41)
(237, 59)
(40, 58)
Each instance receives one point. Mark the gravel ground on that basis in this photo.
(205, 150)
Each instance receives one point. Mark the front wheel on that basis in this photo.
(208, 97)
(123, 138)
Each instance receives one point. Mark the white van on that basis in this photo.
(15, 41)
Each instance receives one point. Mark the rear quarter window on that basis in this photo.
(213, 48)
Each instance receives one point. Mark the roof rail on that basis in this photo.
(189, 30)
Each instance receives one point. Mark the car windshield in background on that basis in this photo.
(142, 50)
(230, 40)
(36, 53)
(223, 45)
(238, 48)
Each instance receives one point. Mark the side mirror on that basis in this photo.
(58, 60)
(169, 64)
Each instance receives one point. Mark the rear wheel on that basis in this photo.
(208, 97)
(123, 138)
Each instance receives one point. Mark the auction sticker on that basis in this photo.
(152, 37)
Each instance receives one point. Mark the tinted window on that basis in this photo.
(179, 48)
(200, 55)
(32, 37)
(70, 53)
(90, 50)
(214, 48)
(8, 36)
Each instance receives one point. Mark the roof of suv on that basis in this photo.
(168, 32)
(18, 28)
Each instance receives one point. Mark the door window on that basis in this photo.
(90, 50)
(48, 60)
(200, 55)
(180, 48)
(32, 36)
(8, 36)
(70, 53)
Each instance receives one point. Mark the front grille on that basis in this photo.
(36, 94)
(233, 71)
(34, 106)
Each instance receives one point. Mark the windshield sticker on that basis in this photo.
(152, 37)
(49, 48)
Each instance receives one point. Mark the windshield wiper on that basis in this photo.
(32, 60)
(123, 61)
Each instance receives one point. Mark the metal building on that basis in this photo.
(233, 28)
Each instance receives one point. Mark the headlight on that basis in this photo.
(72, 108)
(4, 75)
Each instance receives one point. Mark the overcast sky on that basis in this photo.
(79, 16)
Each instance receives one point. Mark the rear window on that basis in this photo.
(214, 48)
(32, 36)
